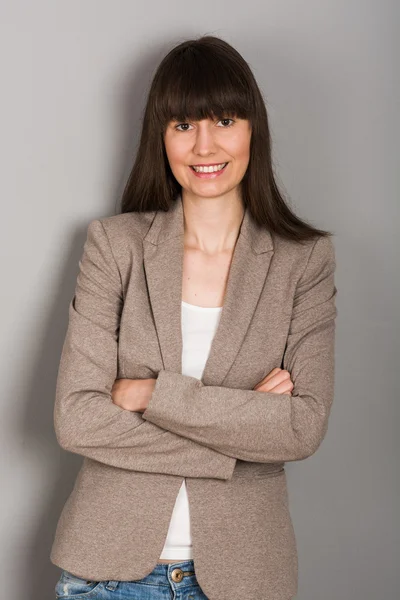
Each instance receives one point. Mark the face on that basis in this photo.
(208, 142)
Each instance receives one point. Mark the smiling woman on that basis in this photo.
(223, 144)
(199, 355)
(204, 108)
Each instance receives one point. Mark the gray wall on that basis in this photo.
(73, 81)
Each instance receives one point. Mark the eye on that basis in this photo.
(222, 120)
(180, 125)
(177, 127)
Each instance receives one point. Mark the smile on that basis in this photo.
(209, 172)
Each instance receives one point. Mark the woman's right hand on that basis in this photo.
(277, 381)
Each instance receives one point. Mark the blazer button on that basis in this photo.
(177, 575)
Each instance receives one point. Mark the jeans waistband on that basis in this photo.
(176, 575)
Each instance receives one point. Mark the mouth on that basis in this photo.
(208, 172)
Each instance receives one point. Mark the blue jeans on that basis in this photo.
(176, 581)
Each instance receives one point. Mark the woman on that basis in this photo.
(199, 355)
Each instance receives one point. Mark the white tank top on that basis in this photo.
(199, 325)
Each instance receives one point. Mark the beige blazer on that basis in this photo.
(229, 441)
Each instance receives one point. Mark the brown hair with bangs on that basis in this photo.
(199, 79)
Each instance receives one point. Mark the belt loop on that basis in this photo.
(111, 585)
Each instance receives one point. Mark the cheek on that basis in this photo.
(242, 157)
(240, 148)
(176, 163)
(175, 156)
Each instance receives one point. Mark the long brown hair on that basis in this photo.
(199, 79)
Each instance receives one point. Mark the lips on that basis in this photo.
(211, 174)
(209, 164)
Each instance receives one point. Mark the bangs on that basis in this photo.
(194, 86)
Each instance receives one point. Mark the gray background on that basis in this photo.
(74, 76)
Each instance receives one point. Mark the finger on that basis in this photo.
(275, 380)
(271, 374)
(267, 377)
(283, 388)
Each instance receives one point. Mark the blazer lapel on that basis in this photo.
(163, 252)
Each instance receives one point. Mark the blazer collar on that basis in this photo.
(163, 252)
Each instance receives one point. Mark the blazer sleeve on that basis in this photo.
(262, 426)
(86, 421)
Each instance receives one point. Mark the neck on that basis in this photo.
(212, 224)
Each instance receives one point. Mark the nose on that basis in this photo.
(204, 139)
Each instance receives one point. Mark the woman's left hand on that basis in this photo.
(132, 394)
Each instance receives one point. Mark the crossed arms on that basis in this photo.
(190, 429)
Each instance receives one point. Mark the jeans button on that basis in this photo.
(177, 575)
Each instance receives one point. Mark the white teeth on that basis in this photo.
(209, 169)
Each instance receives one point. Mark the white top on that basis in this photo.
(199, 325)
